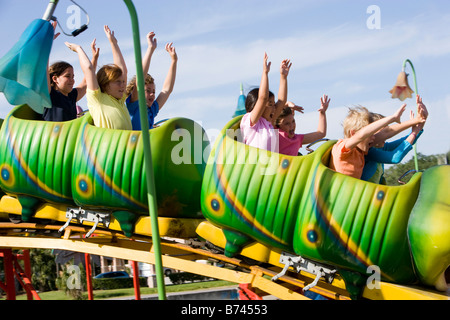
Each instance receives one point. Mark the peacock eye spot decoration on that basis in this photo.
(215, 205)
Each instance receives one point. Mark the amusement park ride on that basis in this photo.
(281, 225)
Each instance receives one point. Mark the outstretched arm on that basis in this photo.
(81, 88)
(395, 129)
(117, 54)
(322, 128)
(86, 66)
(372, 128)
(151, 47)
(283, 90)
(263, 96)
(169, 83)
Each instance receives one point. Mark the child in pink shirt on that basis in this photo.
(289, 141)
(257, 124)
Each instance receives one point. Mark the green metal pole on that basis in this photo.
(416, 162)
(147, 152)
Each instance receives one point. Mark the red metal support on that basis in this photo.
(246, 293)
(137, 287)
(14, 271)
(9, 284)
(27, 273)
(24, 280)
(90, 291)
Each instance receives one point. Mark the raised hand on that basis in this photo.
(294, 107)
(285, 67)
(151, 41)
(72, 46)
(110, 34)
(267, 64)
(324, 103)
(398, 114)
(422, 109)
(95, 50)
(54, 24)
(171, 50)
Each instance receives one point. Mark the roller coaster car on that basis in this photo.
(299, 205)
(78, 164)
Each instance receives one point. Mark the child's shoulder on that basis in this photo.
(340, 146)
(260, 124)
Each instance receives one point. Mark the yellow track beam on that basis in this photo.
(142, 251)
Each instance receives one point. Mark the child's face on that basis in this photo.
(270, 109)
(366, 144)
(117, 88)
(65, 81)
(379, 144)
(287, 124)
(150, 94)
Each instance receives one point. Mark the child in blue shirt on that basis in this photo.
(153, 106)
(392, 152)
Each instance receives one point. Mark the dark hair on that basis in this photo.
(57, 69)
(286, 112)
(251, 99)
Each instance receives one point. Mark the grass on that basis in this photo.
(108, 294)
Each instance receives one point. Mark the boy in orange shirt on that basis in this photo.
(347, 155)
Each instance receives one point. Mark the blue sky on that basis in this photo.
(221, 44)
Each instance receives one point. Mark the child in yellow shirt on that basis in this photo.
(106, 90)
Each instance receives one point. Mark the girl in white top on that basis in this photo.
(257, 124)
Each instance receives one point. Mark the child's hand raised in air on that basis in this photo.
(151, 41)
(72, 46)
(54, 24)
(171, 50)
(294, 107)
(95, 50)
(110, 34)
(285, 67)
(324, 103)
(423, 112)
(398, 114)
(267, 63)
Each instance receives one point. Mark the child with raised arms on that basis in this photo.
(257, 125)
(153, 105)
(63, 95)
(382, 152)
(347, 155)
(289, 141)
(106, 89)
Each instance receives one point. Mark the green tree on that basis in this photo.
(72, 282)
(43, 267)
